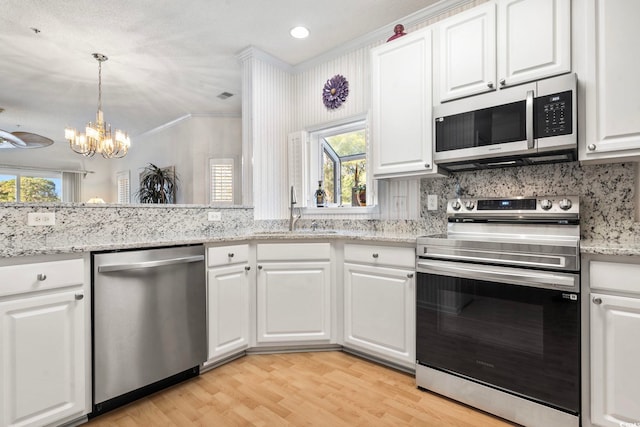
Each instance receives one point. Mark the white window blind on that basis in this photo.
(124, 189)
(221, 180)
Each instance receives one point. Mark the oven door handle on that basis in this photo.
(515, 276)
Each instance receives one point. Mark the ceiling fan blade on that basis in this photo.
(33, 140)
(12, 139)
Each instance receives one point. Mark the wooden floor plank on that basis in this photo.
(297, 389)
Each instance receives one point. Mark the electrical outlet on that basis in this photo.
(41, 218)
(432, 202)
(214, 216)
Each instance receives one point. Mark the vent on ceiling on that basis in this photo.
(225, 95)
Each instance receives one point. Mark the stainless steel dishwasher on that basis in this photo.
(149, 322)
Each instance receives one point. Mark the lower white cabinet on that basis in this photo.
(43, 364)
(615, 360)
(294, 293)
(379, 303)
(228, 304)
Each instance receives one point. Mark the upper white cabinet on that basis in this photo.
(43, 343)
(228, 290)
(534, 39)
(610, 34)
(467, 53)
(485, 48)
(294, 293)
(401, 107)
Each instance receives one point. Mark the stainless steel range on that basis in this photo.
(498, 308)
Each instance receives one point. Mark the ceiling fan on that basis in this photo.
(23, 140)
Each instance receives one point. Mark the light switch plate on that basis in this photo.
(41, 218)
(432, 202)
(214, 216)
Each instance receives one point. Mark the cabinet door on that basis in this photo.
(379, 312)
(401, 106)
(228, 310)
(615, 365)
(42, 360)
(467, 53)
(293, 302)
(534, 39)
(611, 81)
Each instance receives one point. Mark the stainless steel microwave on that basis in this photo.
(533, 123)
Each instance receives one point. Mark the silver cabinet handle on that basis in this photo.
(410, 275)
(230, 254)
(427, 165)
(375, 255)
(42, 277)
(259, 267)
(591, 147)
(247, 267)
(503, 82)
(597, 300)
(490, 85)
(79, 296)
(149, 264)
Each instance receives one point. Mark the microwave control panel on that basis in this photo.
(553, 115)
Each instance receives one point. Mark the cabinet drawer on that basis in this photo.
(18, 279)
(226, 255)
(381, 255)
(294, 251)
(614, 276)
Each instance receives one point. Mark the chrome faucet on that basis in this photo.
(293, 217)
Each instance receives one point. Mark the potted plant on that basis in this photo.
(157, 185)
(361, 190)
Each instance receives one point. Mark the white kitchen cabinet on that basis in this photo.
(402, 142)
(611, 99)
(466, 46)
(43, 343)
(228, 290)
(614, 325)
(483, 49)
(615, 361)
(294, 294)
(379, 302)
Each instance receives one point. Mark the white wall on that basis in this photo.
(186, 144)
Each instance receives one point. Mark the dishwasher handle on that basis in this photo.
(149, 264)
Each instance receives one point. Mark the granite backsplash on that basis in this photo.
(606, 203)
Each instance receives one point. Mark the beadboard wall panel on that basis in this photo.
(271, 117)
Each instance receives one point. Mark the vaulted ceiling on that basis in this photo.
(167, 58)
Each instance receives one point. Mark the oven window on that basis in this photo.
(520, 339)
(489, 126)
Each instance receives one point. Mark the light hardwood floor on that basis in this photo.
(329, 389)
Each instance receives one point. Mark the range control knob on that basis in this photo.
(455, 205)
(565, 204)
(469, 204)
(546, 204)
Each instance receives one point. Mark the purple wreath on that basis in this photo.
(335, 91)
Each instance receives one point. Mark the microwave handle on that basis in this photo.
(529, 120)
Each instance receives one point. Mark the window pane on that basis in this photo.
(329, 172)
(348, 144)
(350, 187)
(40, 189)
(7, 188)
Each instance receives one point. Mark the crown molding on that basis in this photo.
(381, 34)
(253, 52)
(186, 117)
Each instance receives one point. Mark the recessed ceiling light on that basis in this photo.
(299, 32)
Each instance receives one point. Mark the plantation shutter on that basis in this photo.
(124, 188)
(221, 180)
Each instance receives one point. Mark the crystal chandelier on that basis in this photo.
(98, 137)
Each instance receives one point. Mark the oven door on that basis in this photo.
(514, 329)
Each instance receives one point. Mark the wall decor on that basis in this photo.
(398, 31)
(335, 91)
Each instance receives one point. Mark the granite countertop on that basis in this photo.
(609, 247)
(232, 236)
